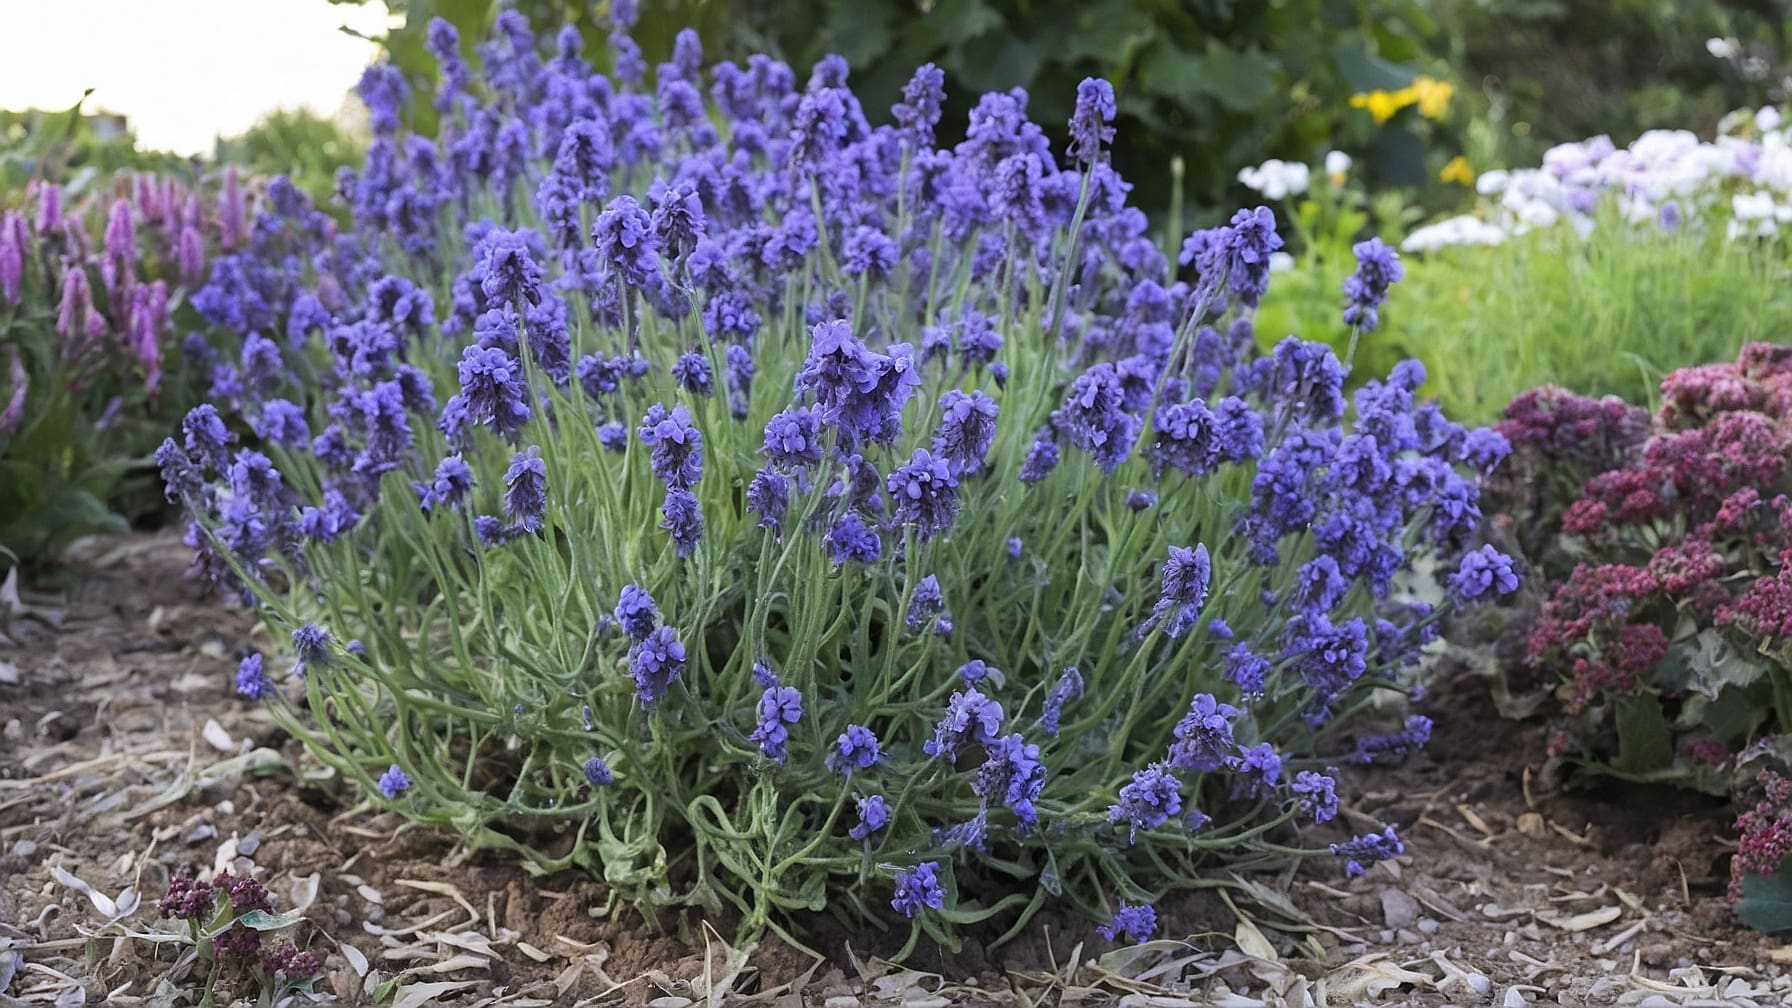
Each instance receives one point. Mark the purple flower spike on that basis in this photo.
(1361, 851)
(1377, 268)
(525, 494)
(918, 889)
(779, 707)
(1484, 572)
(856, 749)
(636, 613)
(677, 456)
(1088, 124)
(1136, 923)
(252, 680)
(874, 815)
(925, 493)
(655, 662)
(1152, 799)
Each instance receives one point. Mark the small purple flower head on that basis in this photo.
(926, 603)
(1260, 765)
(868, 252)
(1088, 124)
(383, 90)
(1410, 739)
(492, 392)
(677, 445)
(919, 111)
(598, 773)
(1361, 851)
(206, 436)
(1150, 800)
(1484, 448)
(852, 539)
(252, 679)
(1186, 576)
(1203, 736)
(693, 373)
(918, 889)
(282, 422)
(1377, 268)
(15, 240)
(180, 477)
(1249, 241)
(1246, 669)
(1069, 687)
(1095, 418)
(1136, 923)
(1483, 572)
(682, 515)
(1140, 500)
(312, 643)
(793, 438)
(393, 782)
(655, 661)
(525, 493)
(1317, 794)
(613, 436)
(967, 430)
(768, 495)
(779, 707)
(121, 233)
(975, 671)
(508, 272)
(925, 492)
(857, 748)
(453, 481)
(636, 612)
(874, 815)
(970, 716)
(1042, 457)
(1014, 547)
(625, 242)
(1014, 775)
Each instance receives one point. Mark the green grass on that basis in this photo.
(1605, 315)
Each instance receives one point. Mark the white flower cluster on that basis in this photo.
(1277, 179)
(1666, 177)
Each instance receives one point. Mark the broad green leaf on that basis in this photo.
(1714, 665)
(959, 21)
(1364, 71)
(1766, 903)
(1643, 741)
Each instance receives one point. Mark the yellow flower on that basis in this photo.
(1458, 171)
(1383, 104)
(1432, 95)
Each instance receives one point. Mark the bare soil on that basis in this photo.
(125, 757)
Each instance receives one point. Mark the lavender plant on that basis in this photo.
(93, 284)
(763, 510)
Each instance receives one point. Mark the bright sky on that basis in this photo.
(183, 71)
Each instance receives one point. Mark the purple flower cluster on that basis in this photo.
(1361, 851)
(918, 889)
(1137, 923)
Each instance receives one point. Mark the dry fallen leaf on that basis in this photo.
(1583, 921)
(1252, 943)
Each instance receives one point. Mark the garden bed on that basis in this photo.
(126, 757)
